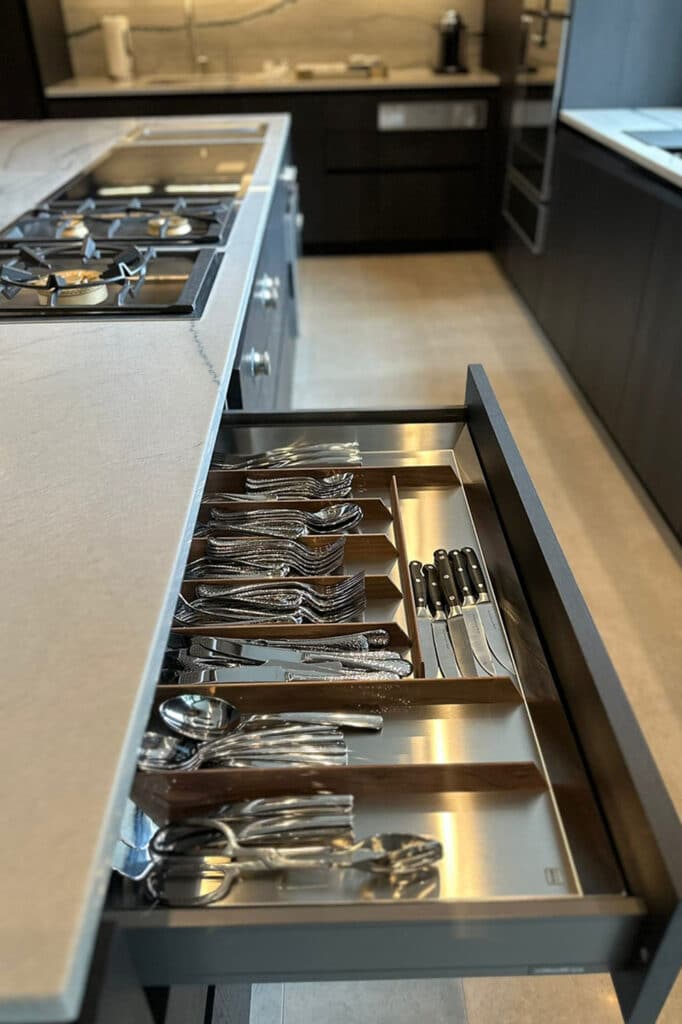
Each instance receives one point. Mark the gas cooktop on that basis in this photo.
(89, 279)
(182, 222)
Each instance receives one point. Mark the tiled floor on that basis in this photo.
(400, 330)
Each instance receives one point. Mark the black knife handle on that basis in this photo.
(459, 571)
(445, 578)
(476, 574)
(435, 597)
(418, 584)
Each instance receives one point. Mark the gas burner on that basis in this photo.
(77, 287)
(90, 278)
(169, 225)
(171, 222)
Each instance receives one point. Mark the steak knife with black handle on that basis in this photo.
(455, 621)
(484, 605)
(426, 640)
(439, 626)
(472, 620)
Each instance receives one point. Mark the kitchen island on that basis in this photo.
(108, 427)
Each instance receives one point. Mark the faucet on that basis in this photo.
(198, 61)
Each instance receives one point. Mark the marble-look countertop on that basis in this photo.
(610, 128)
(155, 85)
(107, 429)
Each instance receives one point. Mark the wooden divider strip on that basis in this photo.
(397, 637)
(233, 481)
(167, 795)
(354, 695)
(403, 566)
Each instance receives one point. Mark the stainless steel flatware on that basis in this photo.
(426, 639)
(289, 600)
(233, 556)
(203, 717)
(282, 744)
(489, 621)
(472, 620)
(439, 628)
(196, 862)
(362, 640)
(298, 453)
(455, 620)
(338, 485)
(270, 672)
(288, 523)
(206, 651)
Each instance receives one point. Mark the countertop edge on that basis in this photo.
(657, 162)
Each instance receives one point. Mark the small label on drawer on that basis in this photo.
(554, 876)
(576, 969)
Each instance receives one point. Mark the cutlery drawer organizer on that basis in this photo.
(534, 782)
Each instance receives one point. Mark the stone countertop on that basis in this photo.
(610, 128)
(152, 85)
(107, 430)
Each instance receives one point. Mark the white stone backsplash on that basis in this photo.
(239, 35)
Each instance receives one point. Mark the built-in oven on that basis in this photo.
(535, 108)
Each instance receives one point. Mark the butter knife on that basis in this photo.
(472, 619)
(455, 622)
(439, 626)
(489, 619)
(423, 621)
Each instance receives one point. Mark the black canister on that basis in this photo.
(452, 31)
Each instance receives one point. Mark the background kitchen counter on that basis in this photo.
(610, 128)
(398, 78)
(107, 431)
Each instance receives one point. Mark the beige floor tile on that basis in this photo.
(375, 1002)
(400, 330)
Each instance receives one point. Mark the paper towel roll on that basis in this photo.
(118, 47)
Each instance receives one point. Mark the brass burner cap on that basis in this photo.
(174, 224)
(74, 227)
(90, 295)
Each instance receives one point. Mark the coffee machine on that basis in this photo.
(451, 44)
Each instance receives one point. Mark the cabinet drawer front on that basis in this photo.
(456, 475)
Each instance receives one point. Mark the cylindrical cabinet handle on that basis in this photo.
(267, 290)
(259, 363)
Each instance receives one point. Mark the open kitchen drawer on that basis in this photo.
(561, 846)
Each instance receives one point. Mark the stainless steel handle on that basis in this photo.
(259, 363)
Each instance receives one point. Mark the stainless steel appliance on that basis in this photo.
(536, 96)
(452, 44)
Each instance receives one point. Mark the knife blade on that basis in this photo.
(455, 622)
(489, 619)
(258, 653)
(423, 621)
(439, 627)
(472, 620)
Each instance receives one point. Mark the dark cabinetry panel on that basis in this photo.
(609, 300)
(650, 426)
(619, 222)
(522, 266)
(443, 206)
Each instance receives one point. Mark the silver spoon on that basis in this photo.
(202, 717)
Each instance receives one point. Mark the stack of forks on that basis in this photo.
(280, 601)
(339, 485)
(231, 556)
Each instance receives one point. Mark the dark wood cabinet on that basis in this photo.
(650, 424)
(606, 291)
(616, 234)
